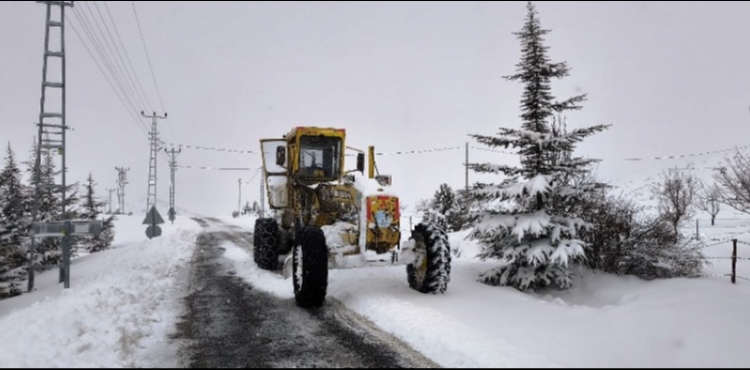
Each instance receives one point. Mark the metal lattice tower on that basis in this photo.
(172, 167)
(122, 180)
(154, 137)
(51, 136)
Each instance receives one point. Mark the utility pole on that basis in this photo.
(122, 180)
(172, 165)
(51, 136)
(110, 199)
(467, 166)
(154, 137)
(239, 201)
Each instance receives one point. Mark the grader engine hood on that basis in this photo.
(382, 223)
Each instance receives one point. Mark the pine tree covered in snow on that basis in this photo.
(104, 240)
(537, 242)
(91, 210)
(445, 203)
(90, 207)
(13, 216)
(49, 203)
(12, 202)
(48, 249)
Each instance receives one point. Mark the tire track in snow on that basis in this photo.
(228, 323)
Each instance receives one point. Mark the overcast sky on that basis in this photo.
(670, 77)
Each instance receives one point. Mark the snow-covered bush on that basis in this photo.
(626, 241)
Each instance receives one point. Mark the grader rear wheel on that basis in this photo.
(430, 271)
(266, 247)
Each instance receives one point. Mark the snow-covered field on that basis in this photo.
(604, 321)
(123, 304)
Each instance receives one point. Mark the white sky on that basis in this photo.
(670, 77)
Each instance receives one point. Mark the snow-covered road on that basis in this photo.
(229, 323)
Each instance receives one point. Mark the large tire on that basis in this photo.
(266, 247)
(430, 274)
(310, 277)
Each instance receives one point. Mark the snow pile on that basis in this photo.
(117, 313)
(245, 267)
(368, 186)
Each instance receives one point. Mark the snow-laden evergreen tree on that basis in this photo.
(104, 240)
(91, 207)
(13, 218)
(50, 200)
(537, 242)
(445, 203)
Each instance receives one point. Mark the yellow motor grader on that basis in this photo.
(327, 216)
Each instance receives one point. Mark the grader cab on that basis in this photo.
(328, 216)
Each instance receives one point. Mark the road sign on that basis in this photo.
(153, 217)
(64, 229)
(153, 231)
(56, 229)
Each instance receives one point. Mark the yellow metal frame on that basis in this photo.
(293, 145)
(379, 240)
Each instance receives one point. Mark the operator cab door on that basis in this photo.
(276, 175)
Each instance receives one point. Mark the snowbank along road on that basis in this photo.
(228, 323)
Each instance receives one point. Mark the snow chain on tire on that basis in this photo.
(430, 274)
(310, 268)
(266, 247)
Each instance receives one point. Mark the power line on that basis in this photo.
(97, 45)
(117, 49)
(116, 70)
(219, 168)
(255, 175)
(130, 63)
(688, 155)
(421, 151)
(138, 122)
(210, 148)
(150, 66)
(131, 86)
(492, 150)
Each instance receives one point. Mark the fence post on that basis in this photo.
(734, 261)
(697, 229)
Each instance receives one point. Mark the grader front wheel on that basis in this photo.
(310, 268)
(430, 271)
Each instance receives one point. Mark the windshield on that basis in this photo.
(320, 156)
